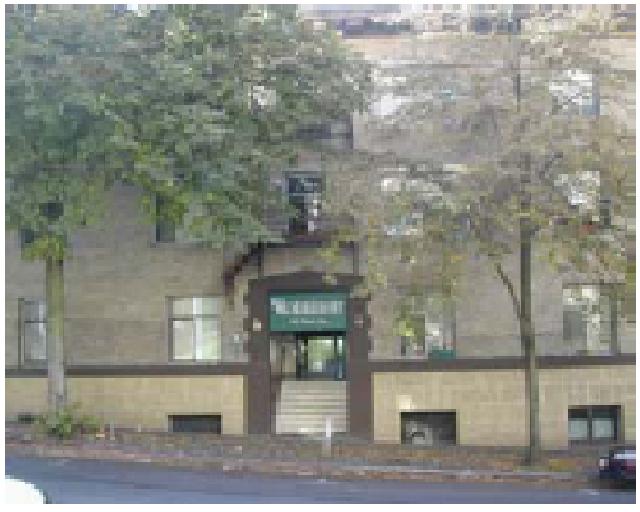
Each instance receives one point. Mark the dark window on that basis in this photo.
(481, 25)
(27, 237)
(431, 428)
(33, 330)
(27, 418)
(165, 226)
(211, 423)
(597, 423)
(604, 217)
(305, 194)
(182, 231)
(195, 328)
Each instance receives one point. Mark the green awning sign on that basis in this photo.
(290, 312)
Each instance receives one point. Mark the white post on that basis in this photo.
(327, 437)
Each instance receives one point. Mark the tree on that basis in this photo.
(193, 104)
(56, 155)
(537, 167)
(226, 91)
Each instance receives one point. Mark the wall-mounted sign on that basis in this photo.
(303, 311)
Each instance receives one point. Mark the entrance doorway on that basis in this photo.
(320, 356)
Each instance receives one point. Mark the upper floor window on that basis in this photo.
(304, 193)
(195, 328)
(33, 330)
(575, 91)
(168, 230)
(589, 318)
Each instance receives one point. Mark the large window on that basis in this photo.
(598, 423)
(195, 328)
(589, 318)
(426, 326)
(33, 330)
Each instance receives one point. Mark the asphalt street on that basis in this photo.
(82, 481)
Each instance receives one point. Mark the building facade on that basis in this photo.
(162, 333)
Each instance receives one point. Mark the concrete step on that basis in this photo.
(319, 411)
(323, 411)
(304, 406)
(284, 427)
(302, 385)
(320, 401)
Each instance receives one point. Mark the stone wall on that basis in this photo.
(490, 405)
(138, 401)
(572, 387)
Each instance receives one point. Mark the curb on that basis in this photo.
(317, 469)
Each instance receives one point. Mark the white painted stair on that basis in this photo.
(305, 405)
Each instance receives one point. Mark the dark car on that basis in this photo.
(619, 466)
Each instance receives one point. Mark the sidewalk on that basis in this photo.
(327, 465)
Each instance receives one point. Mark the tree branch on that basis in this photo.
(501, 273)
(507, 282)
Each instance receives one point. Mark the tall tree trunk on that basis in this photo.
(55, 333)
(527, 330)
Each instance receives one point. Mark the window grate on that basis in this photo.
(430, 428)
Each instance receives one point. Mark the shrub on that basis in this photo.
(67, 423)
(560, 465)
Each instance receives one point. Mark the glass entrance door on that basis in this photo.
(320, 356)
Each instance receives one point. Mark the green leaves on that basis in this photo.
(220, 107)
(194, 103)
(57, 134)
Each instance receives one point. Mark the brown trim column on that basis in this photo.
(358, 371)
(259, 369)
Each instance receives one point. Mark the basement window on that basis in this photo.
(429, 428)
(594, 424)
(208, 423)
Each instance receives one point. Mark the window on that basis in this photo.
(589, 318)
(27, 237)
(575, 91)
(585, 195)
(427, 327)
(195, 328)
(304, 192)
(167, 230)
(165, 227)
(33, 330)
(428, 428)
(210, 423)
(594, 423)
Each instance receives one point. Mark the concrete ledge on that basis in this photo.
(318, 469)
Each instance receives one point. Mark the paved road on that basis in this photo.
(80, 481)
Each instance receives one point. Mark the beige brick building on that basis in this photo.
(171, 335)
